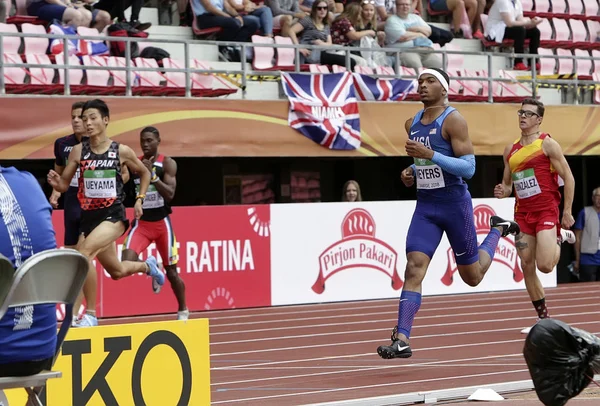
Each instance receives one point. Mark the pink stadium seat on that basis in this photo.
(527, 8)
(204, 33)
(202, 84)
(562, 33)
(453, 61)
(580, 34)
(263, 56)
(285, 56)
(546, 34)
(120, 76)
(34, 45)
(513, 90)
(365, 70)
(584, 66)
(385, 70)
(559, 8)
(576, 9)
(593, 28)
(149, 78)
(40, 76)
(21, 16)
(318, 68)
(13, 77)
(97, 79)
(10, 45)
(75, 75)
(548, 65)
(338, 69)
(496, 90)
(591, 10)
(177, 79)
(565, 66)
(542, 8)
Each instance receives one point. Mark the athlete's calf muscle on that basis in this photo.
(520, 244)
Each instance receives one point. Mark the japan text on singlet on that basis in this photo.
(535, 180)
(155, 207)
(432, 181)
(100, 182)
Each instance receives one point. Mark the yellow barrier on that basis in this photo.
(162, 363)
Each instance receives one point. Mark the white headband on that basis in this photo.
(437, 75)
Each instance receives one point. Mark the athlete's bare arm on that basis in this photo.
(166, 187)
(504, 189)
(55, 193)
(60, 182)
(456, 130)
(554, 152)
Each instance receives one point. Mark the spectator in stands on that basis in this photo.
(219, 13)
(27, 333)
(587, 243)
(408, 31)
(368, 20)
(116, 9)
(473, 9)
(61, 10)
(343, 31)
(99, 18)
(285, 14)
(316, 31)
(506, 21)
(306, 6)
(351, 192)
(385, 8)
(261, 14)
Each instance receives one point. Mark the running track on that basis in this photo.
(299, 355)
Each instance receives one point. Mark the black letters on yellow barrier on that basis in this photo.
(143, 364)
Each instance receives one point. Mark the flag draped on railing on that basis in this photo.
(324, 107)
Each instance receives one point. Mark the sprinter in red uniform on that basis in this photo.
(533, 164)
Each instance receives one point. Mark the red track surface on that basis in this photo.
(297, 355)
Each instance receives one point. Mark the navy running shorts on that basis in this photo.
(455, 217)
(90, 219)
(72, 220)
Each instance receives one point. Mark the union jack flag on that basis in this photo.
(324, 108)
(371, 89)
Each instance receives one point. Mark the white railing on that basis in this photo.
(244, 71)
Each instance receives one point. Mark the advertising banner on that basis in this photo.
(354, 251)
(224, 261)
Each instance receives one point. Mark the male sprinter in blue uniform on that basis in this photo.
(27, 333)
(440, 144)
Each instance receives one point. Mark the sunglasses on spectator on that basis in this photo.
(368, 2)
(526, 113)
(322, 8)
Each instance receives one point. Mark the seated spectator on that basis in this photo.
(27, 333)
(61, 10)
(384, 8)
(116, 9)
(351, 192)
(368, 21)
(219, 13)
(306, 6)
(408, 30)
(262, 15)
(473, 9)
(316, 31)
(344, 33)
(285, 14)
(506, 21)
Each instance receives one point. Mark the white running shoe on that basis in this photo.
(567, 236)
(87, 321)
(183, 315)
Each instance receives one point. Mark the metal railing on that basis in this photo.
(245, 69)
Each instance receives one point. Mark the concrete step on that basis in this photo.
(147, 15)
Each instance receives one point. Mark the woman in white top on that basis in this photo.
(506, 21)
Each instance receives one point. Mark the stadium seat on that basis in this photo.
(559, 9)
(453, 61)
(565, 66)
(580, 34)
(543, 8)
(546, 34)
(385, 70)
(97, 79)
(150, 82)
(14, 77)
(10, 45)
(528, 8)
(41, 79)
(319, 68)
(202, 85)
(591, 10)
(34, 45)
(75, 75)
(547, 65)
(120, 76)
(21, 16)
(338, 69)
(513, 91)
(584, 66)
(364, 70)
(576, 9)
(562, 33)
(286, 56)
(204, 33)
(263, 56)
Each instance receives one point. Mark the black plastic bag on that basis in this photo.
(561, 360)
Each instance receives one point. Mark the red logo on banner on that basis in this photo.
(224, 261)
(359, 248)
(506, 252)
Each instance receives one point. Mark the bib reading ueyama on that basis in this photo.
(429, 175)
(100, 183)
(526, 184)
